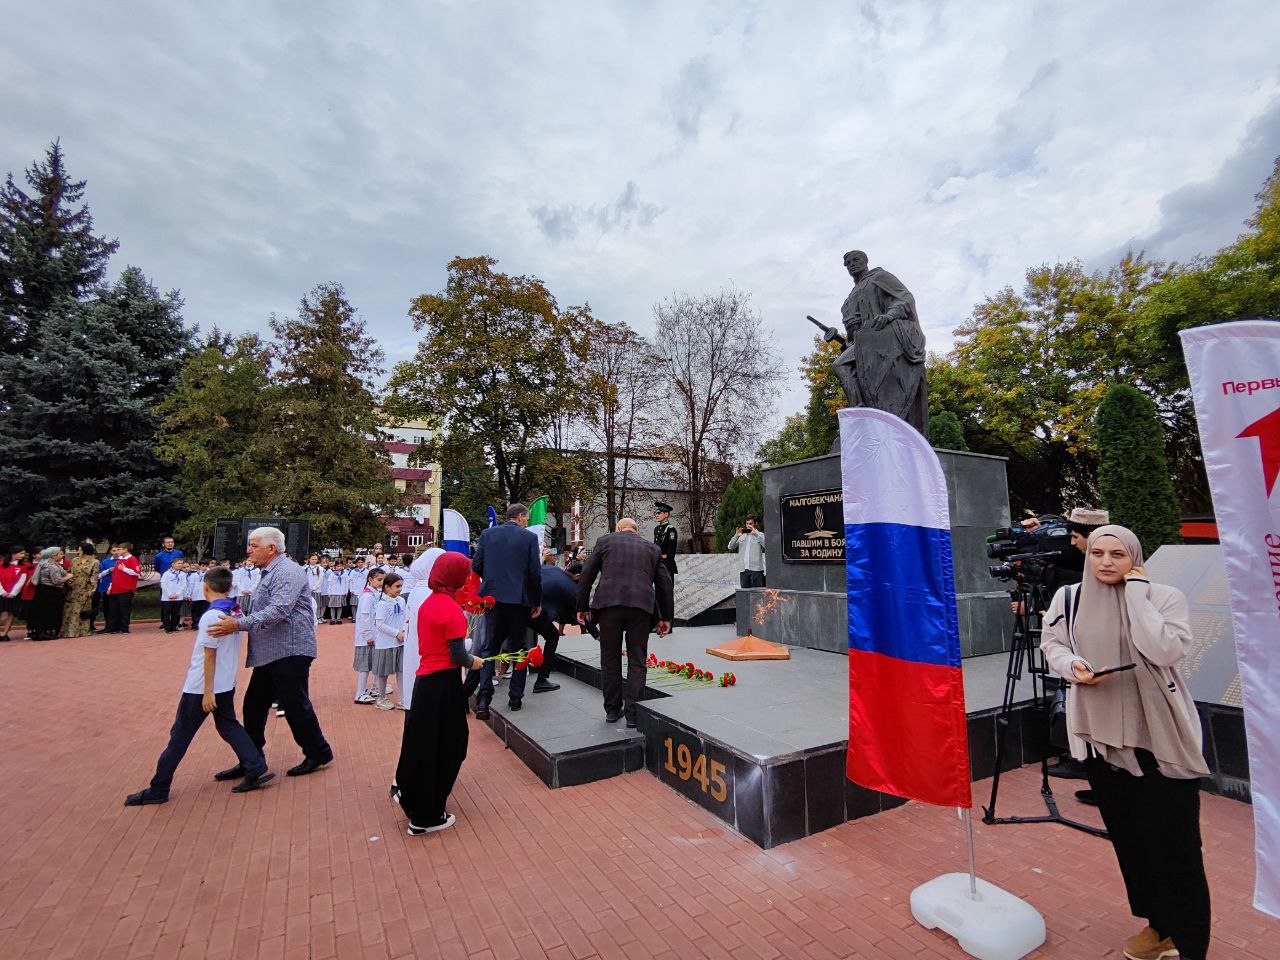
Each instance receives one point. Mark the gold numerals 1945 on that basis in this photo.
(686, 766)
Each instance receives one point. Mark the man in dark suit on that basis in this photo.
(559, 606)
(635, 589)
(508, 564)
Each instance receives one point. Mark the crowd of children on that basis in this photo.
(336, 585)
(182, 601)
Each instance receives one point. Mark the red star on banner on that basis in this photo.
(1267, 430)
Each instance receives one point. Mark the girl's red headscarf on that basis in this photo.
(449, 573)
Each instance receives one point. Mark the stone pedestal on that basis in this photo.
(812, 610)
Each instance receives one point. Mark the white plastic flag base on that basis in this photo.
(994, 926)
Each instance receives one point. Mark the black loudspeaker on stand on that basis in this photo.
(1025, 654)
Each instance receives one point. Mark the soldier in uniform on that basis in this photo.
(666, 537)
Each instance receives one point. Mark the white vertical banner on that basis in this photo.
(1235, 381)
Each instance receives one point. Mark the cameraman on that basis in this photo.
(1068, 567)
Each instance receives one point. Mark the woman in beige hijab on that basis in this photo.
(1139, 735)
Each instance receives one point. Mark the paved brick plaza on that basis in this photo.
(320, 866)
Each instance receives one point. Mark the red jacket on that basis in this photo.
(9, 577)
(124, 575)
(29, 588)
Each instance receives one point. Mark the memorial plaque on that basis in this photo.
(297, 539)
(227, 544)
(812, 527)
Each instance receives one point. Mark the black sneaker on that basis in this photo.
(545, 686)
(482, 712)
(231, 773)
(1068, 768)
(513, 705)
(631, 722)
(445, 823)
(612, 716)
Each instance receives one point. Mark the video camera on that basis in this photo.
(1028, 556)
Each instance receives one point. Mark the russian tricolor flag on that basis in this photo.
(907, 732)
(457, 532)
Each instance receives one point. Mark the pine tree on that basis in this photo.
(945, 432)
(327, 471)
(48, 250)
(1133, 474)
(743, 496)
(77, 454)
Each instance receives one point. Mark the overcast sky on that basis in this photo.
(245, 152)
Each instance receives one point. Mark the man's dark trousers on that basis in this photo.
(99, 605)
(285, 681)
(119, 611)
(617, 624)
(751, 578)
(189, 719)
(508, 622)
(170, 614)
(545, 627)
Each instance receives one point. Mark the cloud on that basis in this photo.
(628, 210)
(694, 91)
(621, 152)
(1201, 217)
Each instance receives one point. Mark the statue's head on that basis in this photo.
(855, 261)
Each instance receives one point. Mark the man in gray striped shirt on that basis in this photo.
(282, 644)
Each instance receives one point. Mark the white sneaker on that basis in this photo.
(445, 824)
(386, 703)
(279, 711)
(401, 706)
(364, 697)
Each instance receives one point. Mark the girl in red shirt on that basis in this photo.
(435, 732)
(13, 578)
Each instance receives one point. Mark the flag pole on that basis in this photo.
(973, 870)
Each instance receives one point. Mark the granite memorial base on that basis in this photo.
(804, 551)
(766, 756)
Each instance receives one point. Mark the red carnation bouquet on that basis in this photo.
(672, 673)
(522, 659)
(469, 597)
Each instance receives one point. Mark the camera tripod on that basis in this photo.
(1025, 651)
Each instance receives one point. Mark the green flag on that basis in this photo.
(538, 519)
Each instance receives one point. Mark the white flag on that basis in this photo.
(1235, 381)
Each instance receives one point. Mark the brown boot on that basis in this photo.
(1147, 945)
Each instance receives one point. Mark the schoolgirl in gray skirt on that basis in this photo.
(388, 638)
(363, 664)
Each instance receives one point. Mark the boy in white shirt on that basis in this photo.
(357, 576)
(195, 593)
(173, 590)
(209, 688)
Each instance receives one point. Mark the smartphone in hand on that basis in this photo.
(1120, 669)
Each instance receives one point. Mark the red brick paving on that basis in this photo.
(319, 867)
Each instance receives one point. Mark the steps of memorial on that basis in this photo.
(562, 737)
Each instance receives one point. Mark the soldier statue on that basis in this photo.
(666, 537)
(882, 364)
